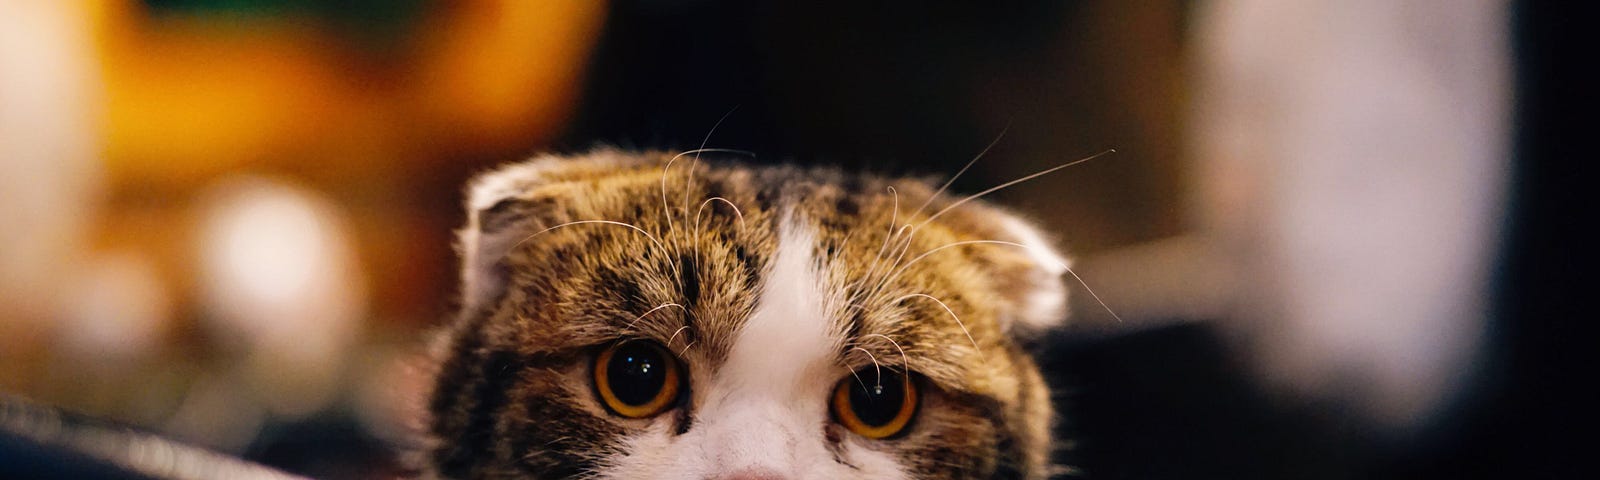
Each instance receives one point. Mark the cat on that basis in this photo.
(655, 315)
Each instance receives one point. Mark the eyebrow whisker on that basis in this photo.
(675, 334)
(894, 217)
(964, 168)
(866, 277)
(953, 315)
(698, 211)
(904, 247)
(688, 182)
(999, 187)
(633, 227)
(877, 368)
(653, 310)
(738, 213)
(853, 373)
(904, 360)
(1063, 265)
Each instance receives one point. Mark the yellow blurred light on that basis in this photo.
(190, 96)
(281, 280)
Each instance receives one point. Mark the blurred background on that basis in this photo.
(1337, 233)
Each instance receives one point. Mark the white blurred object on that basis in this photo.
(1352, 160)
(49, 169)
(121, 310)
(278, 277)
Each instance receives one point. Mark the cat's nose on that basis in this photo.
(751, 474)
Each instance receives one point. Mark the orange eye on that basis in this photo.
(875, 406)
(636, 379)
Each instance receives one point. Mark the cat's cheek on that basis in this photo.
(954, 437)
(643, 453)
(551, 427)
(869, 459)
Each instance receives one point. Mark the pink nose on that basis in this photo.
(752, 474)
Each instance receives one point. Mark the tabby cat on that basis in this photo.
(654, 315)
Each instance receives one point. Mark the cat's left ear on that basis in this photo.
(1031, 285)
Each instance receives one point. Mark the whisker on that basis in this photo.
(844, 242)
(904, 360)
(547, 444)
(698, 151)
(905, 247)
(964, 168)
(953, 315)
(736, 212)
(853, 373)
(604, 222)
(688, 183)
(1063, 266)
(675, 334)
(666, 209)
(876, 368)
(889, 236)
(1014, 182)
(871, 269)
(930, 200)
(653, 310)
(685, 350)
(894, 217)
(666, 214)
(918, 258)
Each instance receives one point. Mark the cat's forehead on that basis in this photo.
(682, 254)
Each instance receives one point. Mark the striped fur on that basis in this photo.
(823, 271)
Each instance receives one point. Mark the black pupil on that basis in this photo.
(877, 400)
(636, 373)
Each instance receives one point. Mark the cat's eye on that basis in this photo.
(637, 379)
(875, 404)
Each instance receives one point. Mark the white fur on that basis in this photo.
(1046, 305)
(762, 413)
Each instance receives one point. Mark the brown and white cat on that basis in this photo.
(650, 315)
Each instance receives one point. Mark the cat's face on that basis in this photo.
(624, 320)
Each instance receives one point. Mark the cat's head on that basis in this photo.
(626, 319)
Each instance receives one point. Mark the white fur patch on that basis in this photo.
(763, 412)
(792, 330)
(1046, 305)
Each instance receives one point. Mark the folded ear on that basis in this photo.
(1042, 298)
(1031, 284)
(507, 204)
(1043, 304)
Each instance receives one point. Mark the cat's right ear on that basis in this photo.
(499, 205)
(507, 204)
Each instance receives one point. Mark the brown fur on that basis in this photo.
(512, 399)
